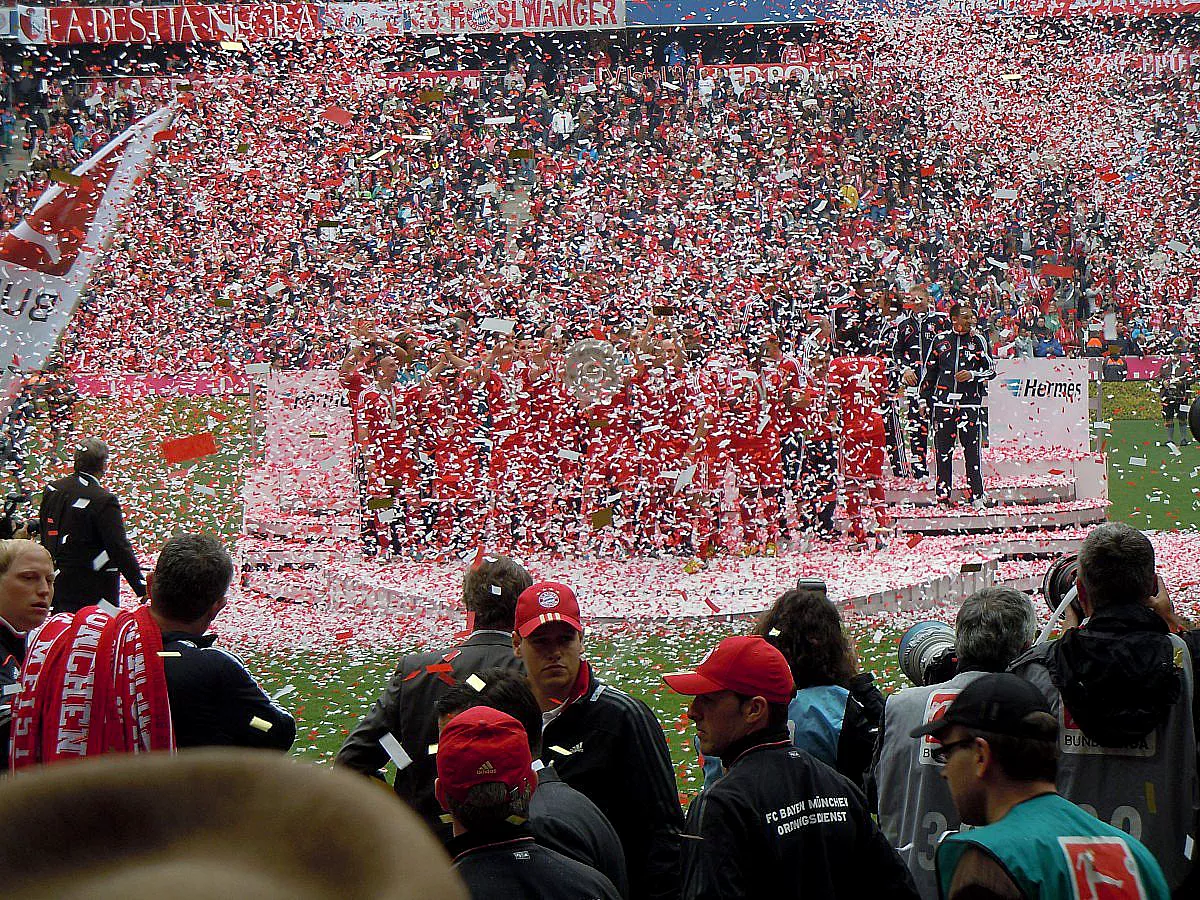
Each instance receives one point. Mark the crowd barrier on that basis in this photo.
(95, 385)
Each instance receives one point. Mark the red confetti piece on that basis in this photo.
(180, 450)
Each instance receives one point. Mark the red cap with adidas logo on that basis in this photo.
(482, 745)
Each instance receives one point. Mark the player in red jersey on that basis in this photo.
(665, 413)
(860, 384)
(390, 417)
(818, 469)
(789, 384)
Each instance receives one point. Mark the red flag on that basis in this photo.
(1058, 271)
(179, 450)
(337, 115)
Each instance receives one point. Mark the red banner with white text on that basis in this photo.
(187, 24)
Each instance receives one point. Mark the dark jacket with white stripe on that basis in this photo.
(611, 747)
(949, 355)
(215, 701)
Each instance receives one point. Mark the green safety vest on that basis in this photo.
(1053, 850)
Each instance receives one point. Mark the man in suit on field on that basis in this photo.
(82, 527)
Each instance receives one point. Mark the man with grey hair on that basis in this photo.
(994, 626)
(1122, 686)
(82, 527)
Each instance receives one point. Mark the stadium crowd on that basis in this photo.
(544, 779)
(750, 206)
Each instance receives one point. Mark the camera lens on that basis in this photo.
(1059, 579)
(927, 654)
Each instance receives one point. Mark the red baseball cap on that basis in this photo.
(482, 745)
(745, 664)
(543, 603)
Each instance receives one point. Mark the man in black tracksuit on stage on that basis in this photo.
(914, 336)
(602, 742)
(779, 824)
(957, 370)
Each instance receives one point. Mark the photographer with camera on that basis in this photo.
(1122, 685)
(994, 626)
(10, 521)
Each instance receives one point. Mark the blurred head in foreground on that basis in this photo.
(213, 823)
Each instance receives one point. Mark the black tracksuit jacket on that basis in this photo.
(610, 747)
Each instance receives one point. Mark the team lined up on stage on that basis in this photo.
(660, 438)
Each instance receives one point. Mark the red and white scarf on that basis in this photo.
(91, 684)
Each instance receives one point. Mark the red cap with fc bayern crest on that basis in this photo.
(543, 603)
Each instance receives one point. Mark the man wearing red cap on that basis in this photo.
(602, 742)
(779, 824)
(485, 780)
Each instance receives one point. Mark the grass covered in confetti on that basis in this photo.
(159, 499)
(1152, 486)
(331, 694)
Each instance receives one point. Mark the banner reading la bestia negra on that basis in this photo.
(46, 260)
(248, 23)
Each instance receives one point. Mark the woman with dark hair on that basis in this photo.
(836, 710)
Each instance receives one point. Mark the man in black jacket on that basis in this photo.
(602, 742)
(82, 527)
(779, 824)
(560, 817)
(957, 370)
(215, 701)
(485, 780)
(914, 336)
(1123, 687)
(404, 719)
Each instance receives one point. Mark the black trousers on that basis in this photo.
(918, 436)
(965, 425)
(819, 476)
(791, 453)
(894, 433)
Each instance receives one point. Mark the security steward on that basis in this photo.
(957, 371)
(405, 710)
(604, 743)
(914, 336)
(779, 823)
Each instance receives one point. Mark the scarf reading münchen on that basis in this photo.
(91, 684)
